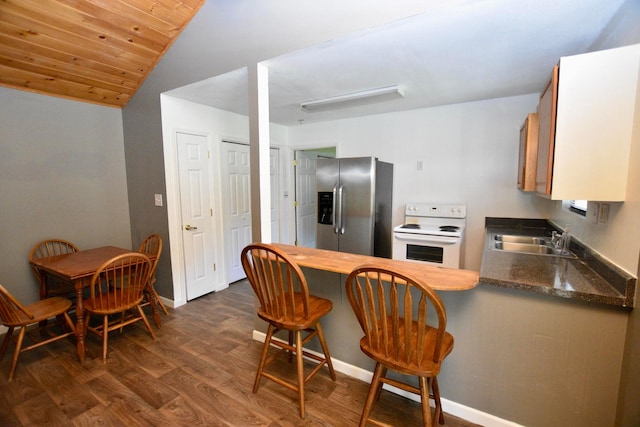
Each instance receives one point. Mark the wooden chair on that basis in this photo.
(285, 304)
(117, 287)
(47, 248)
(393, 309)
(152, 245)
(15, 315)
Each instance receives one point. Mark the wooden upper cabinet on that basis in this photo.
(586, 117)
(546, 134)
(528, 153)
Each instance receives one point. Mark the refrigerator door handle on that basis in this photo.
(340, 205)
(333, 210)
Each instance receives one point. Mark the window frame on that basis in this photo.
(578, 207)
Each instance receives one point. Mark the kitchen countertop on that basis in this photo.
(439, 278)
(586, 277)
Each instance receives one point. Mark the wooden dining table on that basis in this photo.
(78, 268)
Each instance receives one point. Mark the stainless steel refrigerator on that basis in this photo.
(354, 205)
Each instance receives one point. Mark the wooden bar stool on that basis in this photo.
(393, 311)
(285, 304)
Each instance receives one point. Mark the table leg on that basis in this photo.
(80, 327)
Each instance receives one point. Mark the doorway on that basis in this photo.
(235, 169)
(305, 188)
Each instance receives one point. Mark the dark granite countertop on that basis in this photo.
(585, 277)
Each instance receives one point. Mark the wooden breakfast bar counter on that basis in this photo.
(439, 278)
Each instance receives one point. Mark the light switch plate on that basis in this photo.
(158, 199)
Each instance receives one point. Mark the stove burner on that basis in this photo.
(450, 228)
(412, 226)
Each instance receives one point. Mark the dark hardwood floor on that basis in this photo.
(199, 371)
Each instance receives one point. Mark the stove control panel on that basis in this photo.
(434, 210)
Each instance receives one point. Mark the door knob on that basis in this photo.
(188, 227)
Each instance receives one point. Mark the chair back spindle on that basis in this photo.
(45, 249)
(403, 320)
(11, 311)
(120, 283)
(276, 280)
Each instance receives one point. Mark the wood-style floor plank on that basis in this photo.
(198, 372)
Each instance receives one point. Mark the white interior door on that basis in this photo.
(236, 194)
(195, 204)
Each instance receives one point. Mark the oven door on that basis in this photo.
(442, 251)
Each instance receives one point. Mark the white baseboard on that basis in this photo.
(448, 406)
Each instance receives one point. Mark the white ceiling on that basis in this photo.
(456, 52)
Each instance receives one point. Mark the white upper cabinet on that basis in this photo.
(598, 102)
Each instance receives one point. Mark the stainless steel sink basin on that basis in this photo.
(537, 245)
(524, 247)
(521, 239)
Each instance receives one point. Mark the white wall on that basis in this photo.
(62, 175)
(469, 154)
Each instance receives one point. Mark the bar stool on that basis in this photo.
(392, 309)
(285, 304)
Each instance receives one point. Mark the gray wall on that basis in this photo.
(62, 175)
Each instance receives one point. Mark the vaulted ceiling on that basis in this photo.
(98, 51)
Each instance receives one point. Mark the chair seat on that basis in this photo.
(41, 310)
(318, 307)
(425, 367)
(112, 307)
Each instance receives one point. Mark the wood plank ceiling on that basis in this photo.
(97, 51)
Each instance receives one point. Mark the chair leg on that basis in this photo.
(424, 399)
(159, 301)
(5, 342)
(300, 366)
(289, 352)
(325, 349)
(105, 337)
(16, 353)
(436, 398)
(263, 357)
(146, 322)
(70, 324)
(373, 391)
(379, 390)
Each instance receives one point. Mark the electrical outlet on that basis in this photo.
(603, 215)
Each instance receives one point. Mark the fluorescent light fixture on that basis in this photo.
(353, 99)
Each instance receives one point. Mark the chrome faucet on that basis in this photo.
(561, 241)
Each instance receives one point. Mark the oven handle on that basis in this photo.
(421, 238)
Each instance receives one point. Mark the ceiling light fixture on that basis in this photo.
(353, 99)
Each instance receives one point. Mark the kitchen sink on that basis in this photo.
(526, 244)
(524, 247)
(509, 238)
